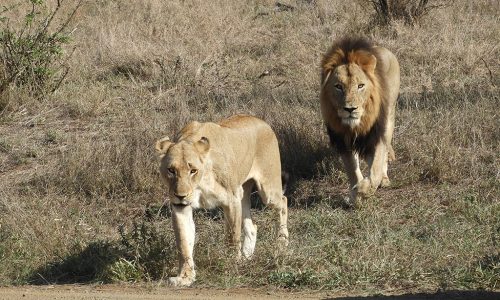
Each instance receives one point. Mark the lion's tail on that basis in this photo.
(390, 152)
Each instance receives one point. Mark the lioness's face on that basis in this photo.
(351, 88)
(182, 169)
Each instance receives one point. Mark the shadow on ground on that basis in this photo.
(85, 266)
(448, 295)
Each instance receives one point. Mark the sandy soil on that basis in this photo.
(129, 292)
(88, 292)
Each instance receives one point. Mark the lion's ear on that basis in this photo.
(366, 60)
(203, 145)
(324, 78)
(331, 61)
(162, 145)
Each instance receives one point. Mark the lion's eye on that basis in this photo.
(361, 85)
(171, 170)
(339, 87)
(193, 171)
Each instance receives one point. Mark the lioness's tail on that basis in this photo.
(285, 177)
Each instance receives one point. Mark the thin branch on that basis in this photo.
(489, 71)
(65, 24)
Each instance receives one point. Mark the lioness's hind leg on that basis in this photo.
(232, 215)
(274, 198)
(283, 214)
(249, 229)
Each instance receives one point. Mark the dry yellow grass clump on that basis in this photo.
(80, 196)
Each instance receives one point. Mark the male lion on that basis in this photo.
(218, 164)
(359, 89)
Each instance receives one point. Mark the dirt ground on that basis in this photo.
(128, 292)
(94, 292)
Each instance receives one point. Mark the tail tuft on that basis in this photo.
(392, 156)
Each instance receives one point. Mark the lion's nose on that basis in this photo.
(180, 197)
(350, 109)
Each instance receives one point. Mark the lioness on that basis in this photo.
(359, 90)
(218, 164)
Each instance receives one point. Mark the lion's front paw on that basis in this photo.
(180, 281)
(385, 182)
(364, 189)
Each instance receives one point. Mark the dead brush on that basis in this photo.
(409, 11)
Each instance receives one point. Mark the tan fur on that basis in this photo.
(359, 90)
(218, 164)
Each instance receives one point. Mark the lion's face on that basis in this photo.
(182, 168)
(350, 88)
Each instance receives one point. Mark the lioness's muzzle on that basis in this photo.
(180, 200)
(181, 203)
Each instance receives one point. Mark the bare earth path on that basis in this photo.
(129, 292)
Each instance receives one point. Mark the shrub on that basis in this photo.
(147, 249)
(32, 55)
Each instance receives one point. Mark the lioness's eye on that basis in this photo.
(339, 87)
(194, 171)
(171, 170)
(361, 85)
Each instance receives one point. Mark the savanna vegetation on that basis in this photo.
(87, 87)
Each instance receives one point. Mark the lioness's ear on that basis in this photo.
(162, 146)
(365, 60)
(203, 145)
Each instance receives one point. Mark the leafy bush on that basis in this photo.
(147, 249)
(32, 55)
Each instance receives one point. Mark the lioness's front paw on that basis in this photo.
(282, 241)
(180, 281)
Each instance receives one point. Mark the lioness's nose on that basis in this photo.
(350, 109)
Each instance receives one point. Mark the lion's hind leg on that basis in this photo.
(377, 162)
(390, 157)
(385, 182)
(390, 151)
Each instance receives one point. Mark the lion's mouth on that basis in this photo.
(351, 120)
(349, 116)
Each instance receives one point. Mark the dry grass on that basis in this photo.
(79, 164)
